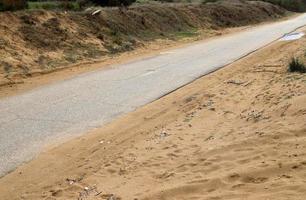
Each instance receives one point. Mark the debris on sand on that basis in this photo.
(292, 36)
(96, 12)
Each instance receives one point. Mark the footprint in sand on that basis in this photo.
(249, 179)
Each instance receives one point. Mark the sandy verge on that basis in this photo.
(238, 133)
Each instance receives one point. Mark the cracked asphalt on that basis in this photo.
(53, 113)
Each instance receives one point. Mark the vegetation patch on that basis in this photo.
(12, 4)
(296, 65)
(48, 35)
(113, 2)
(292, 5)
(54, 5)
(186, 34)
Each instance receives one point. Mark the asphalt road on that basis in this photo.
(71, 107)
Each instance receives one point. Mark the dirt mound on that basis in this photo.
(51, 30)
(35, 42)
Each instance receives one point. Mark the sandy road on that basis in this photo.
(68, 108)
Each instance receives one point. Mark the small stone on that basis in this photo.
(96, 12)
(163, 134)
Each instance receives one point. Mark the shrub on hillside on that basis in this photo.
(54, 5)
(209, 1)
(167, 1)
(296, 66)
(12, 4)
(113, 2)
(291, 5)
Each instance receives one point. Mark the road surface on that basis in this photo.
(69, 108)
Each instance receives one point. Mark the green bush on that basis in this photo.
(291, 5)
(84, 3)
(168, 1)
(54, 5)
(209, 1)
(113, 2)
(12, 4)
(296, 66)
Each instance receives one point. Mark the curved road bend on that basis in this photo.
(71, 107)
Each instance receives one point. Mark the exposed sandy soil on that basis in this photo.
(38, 42)
(238, 133)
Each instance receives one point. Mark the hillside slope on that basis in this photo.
(36, 42)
